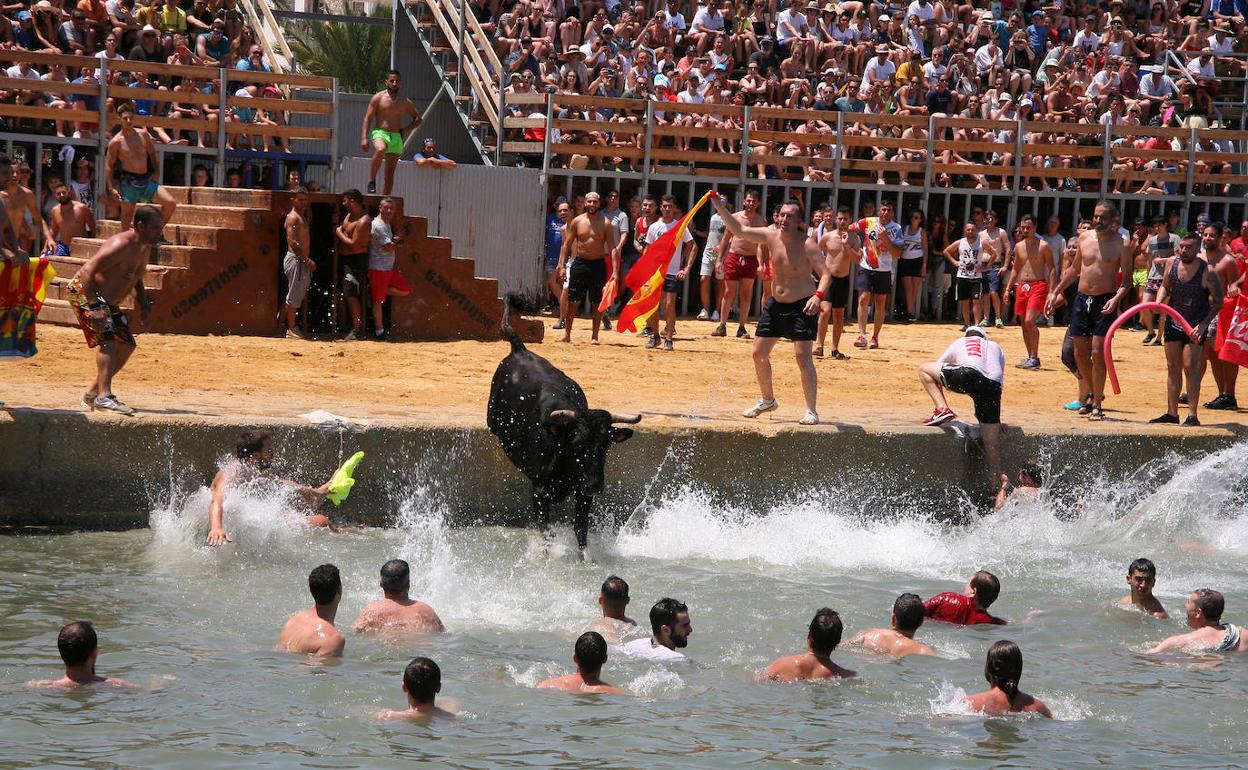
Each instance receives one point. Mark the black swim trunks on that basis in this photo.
(838, 292)
(354, 274)
(1086, 318)
(788, 320)
(586, 277)
(986, 393)
(875, 281)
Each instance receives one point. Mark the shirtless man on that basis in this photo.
(96, 294)
(297, 265)
(793, 310)
(389, 110)
(739, 260)
(10, 244)
(311, 631)
(69, 219)
(24, 216)
(816, 663)
(1142, 576)
(422, 681)
(1204, 615)
(253, 455)
(397, 611)
(996, 243)
(613, 598)
(589, 655)
(1028, 274)
(79, 648)
(131, 167)
(1100, 257)
(841, 247)
(590, 242)
(353, 236)
(898, 639)
(1030, 479)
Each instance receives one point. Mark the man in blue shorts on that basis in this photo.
(131, 166)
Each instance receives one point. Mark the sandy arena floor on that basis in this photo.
(705, 383)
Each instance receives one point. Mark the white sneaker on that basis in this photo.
(704, 316)
(715, 316)
(810, 418)
(112, 404)
(762, 406)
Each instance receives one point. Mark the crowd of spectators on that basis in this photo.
(1066, 62)
(211, 33)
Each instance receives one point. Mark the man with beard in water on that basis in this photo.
(253, 454)
(389, 109)
(669, 623)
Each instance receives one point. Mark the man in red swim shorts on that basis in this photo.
(1030, 272)
(383, 279)
(740, 262)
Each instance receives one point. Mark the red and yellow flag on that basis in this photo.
(646, 277)
(23, 287)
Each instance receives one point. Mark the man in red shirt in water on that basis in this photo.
(970, 607)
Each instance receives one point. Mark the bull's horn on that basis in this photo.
(631, 419)
(561, 416)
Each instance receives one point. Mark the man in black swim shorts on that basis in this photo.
(352, 237)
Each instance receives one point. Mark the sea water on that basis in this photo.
(196, 627)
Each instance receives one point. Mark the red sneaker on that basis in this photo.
(939, 417)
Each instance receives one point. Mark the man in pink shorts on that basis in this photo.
(383, 279)
(740, 262)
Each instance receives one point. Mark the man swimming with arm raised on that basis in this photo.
(898, 639)
(823, 636)
(396, 610)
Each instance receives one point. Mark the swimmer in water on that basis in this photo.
(311, 631)
(422, 681)
(970, 607)
(1142, 576)
(253, 454)
(816, 663)
(1030, 479)
(670, 629)
(79, 648)
(589, 655)
(397, 610)
(897, 640)
(1003, 668)
(614, 624)
(1204, 615)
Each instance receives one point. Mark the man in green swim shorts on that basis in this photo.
(387, 109)
(131, 167)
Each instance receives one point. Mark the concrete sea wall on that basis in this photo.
(66, 469)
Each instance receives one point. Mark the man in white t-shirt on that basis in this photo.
(677, 268)
(675, 20)
(1202, 66)
(707, 23)
(966, 257)
(974, 366)
(881, 244)
(988, 57)
(670, 629)
(880, 68)
(934, 69)
(790, 24)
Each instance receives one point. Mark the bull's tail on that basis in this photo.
(517, 344)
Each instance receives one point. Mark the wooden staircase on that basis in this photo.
(221, 273)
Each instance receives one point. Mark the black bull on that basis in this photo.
(548, 431)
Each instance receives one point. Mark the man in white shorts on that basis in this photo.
(712, 265)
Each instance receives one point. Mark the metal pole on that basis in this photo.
(743, 171)
(1106, 159)
(645, 171)
(222, 107)
(101, 142)
(333, 141)
(550, 116)
(1018, 164)
(840, 152)
(463, 60)
(1191, 175)
(502, 119)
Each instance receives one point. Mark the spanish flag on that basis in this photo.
(646, 278)
(23, 287)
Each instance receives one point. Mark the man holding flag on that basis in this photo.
(792, 312)
(677, 265)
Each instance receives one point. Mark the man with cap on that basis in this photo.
(878, 70)
(1039, 33)
(765, 57)
(1223, 46)
(1155, 89)
(574, 61)
(708, 22)
(975, 366)
(149, 48)
(525, 59)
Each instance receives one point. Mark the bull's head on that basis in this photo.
(585, 438)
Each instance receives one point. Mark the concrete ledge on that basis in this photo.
(62, 468)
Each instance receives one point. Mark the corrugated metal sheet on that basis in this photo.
(495, 216)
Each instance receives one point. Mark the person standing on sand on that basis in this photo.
(1142, 576)
(388, 110)
(739, 258)
(253, 454)
(677, 270)
(822, 637)
(311, 631)
(1204, 614)
(397, 610)
(590, 243)
(1101, 256)
(79, 648)
(898, 639)
(613, 598)
(1191, 287)
(131, 166)
(297, 264)
(1003, 667)
(1029, 271)
(793, 310)
(881, 245)
(589, 655)
(422, 681)
(352, 237)
(96, 293)
(384, 279)
(841, 247)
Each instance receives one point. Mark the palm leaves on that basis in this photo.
(357, 54)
